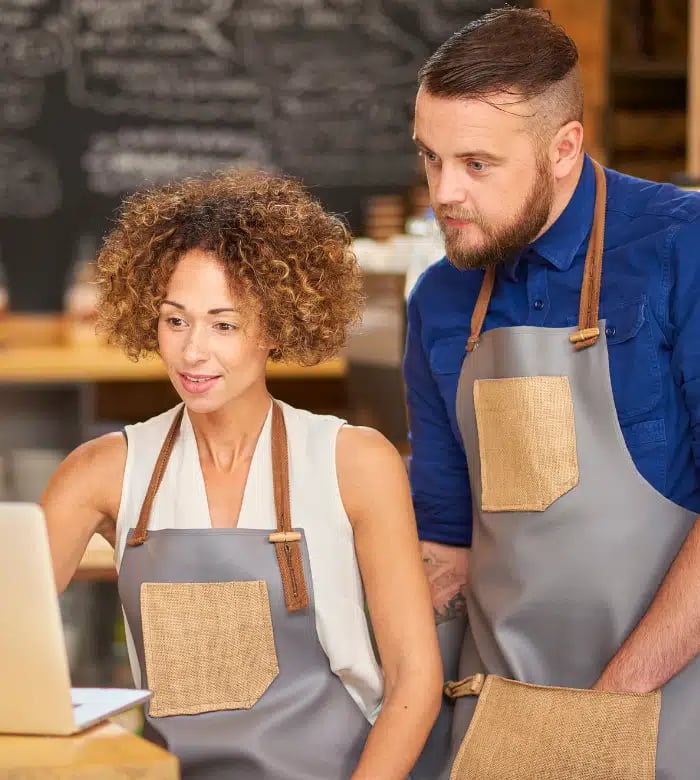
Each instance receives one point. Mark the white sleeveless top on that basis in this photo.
(316, 506)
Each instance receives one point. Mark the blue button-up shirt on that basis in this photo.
(650, 298)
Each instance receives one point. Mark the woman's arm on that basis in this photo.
(375, 493)
(82, 497)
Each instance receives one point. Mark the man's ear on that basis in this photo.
(565, 149)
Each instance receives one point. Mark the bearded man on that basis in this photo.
(553, 384)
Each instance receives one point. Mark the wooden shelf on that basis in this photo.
(650, 69)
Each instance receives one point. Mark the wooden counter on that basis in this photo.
(97, 562)
(104, 752)
(42, 349)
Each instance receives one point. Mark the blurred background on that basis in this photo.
(99, 98)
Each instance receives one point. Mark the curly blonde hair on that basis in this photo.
(276, 243)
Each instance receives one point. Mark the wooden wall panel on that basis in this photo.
(587, 22)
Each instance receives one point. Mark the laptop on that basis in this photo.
(35, 690)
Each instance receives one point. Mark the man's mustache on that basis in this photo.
(460, 216)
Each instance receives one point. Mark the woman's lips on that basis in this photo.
(198, 383)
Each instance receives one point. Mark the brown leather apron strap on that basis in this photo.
(588, 331)
(286, 541)
(481, 307)
(141, 531)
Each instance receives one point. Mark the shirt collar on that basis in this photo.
(563, 239)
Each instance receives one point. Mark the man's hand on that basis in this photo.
(446, 568)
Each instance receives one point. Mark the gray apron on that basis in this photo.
(285, 716)
(435, 755)
(562, 569)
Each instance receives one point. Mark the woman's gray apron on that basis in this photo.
(562, 569)
(292, 719)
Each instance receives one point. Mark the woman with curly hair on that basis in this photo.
(249, 534)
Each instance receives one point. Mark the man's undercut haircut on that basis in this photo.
(516, 52)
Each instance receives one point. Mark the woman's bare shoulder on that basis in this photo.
(91, 475)
(370, 469)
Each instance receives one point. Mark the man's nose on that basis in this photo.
(450, 187)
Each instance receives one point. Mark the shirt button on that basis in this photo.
(610, 331)
(538, 305)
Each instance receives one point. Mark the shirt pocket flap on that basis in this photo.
(447, 355)
(625, 322)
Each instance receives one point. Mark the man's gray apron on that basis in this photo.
(224, 628)
(434, 757)
(570, 543)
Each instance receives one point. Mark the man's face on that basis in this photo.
(491, 187)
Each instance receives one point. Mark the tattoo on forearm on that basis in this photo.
(447, 576)
(455, 607)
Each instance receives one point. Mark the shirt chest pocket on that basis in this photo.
(446, 357)
(633, 355)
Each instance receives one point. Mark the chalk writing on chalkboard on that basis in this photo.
(20, 102)
(161, 59)
(102, 97)
(122, 160)
(29, 186)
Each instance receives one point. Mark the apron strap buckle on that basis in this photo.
(473, 343)
(469, 686)
(138, 538)
(283, 537)
(584, 337)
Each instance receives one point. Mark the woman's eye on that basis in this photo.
(225, 326)
(176, 322)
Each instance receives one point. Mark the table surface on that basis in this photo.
(42, 349)
(104, 752)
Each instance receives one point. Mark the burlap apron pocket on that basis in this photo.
(208, 645)
(536, 732)
(527, 442)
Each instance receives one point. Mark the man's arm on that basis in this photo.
(439, 479)
(446, 568)
(667, 638)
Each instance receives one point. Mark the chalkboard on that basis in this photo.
(99, 97)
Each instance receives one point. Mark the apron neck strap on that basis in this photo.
(588, 331)
(140, 532)
(286, 541)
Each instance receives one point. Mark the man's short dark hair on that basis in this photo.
(519, 51)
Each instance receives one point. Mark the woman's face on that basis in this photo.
(211, 340)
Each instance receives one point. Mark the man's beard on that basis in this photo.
(502, 243)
